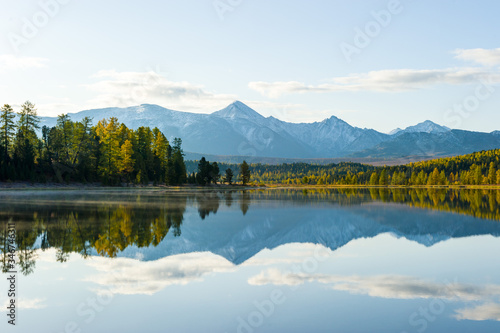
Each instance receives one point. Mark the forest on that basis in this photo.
(79, 151)
(480, 168)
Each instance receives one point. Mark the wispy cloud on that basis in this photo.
(130, 277)
(381, 81)
(390, 286)
(9, 62)
(121, 89)
(395, 80)
(488, 57)
(27, 304)
(488, 311)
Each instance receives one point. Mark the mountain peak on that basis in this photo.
(427, 127)
(238, 109)
(395, 131)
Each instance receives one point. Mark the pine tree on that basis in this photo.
(29, 121)
(203, 175)
(7, 130)
(26, 141)
(215, 172)
(245, 173)
(178, 163)
(229, 176)
(383, 180)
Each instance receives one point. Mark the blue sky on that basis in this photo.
(375, 64)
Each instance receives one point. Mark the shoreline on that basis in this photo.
(97, 186)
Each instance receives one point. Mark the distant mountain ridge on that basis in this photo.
(238, 130)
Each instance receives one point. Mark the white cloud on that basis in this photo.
(488, 57)
(488, 311)
(27, 304)
(130, 277)
(9, 62)
(396, 287)
(382, 81)
(122, 89)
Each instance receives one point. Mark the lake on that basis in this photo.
(277, 260)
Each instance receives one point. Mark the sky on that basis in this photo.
(375, 64)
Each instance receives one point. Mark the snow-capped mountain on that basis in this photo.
(238, 130)
(424, 127)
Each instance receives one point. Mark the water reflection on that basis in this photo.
(106, 223)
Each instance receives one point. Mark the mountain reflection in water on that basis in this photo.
(236, 225)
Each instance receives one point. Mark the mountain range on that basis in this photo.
(238, 130)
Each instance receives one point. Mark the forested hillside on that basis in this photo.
(107, 152)
(479, 168)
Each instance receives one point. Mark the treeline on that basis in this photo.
(107, 152)
(480, 168)
(208, 173)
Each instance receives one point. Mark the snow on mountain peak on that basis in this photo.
(427, 127)
(238, 109)
(395, 131)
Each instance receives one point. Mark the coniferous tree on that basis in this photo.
(203, 175)
(229, 176)
(178, 163)
(7, 130)
(215, 172)
(26, 141)
(245, 173)
(383, 179)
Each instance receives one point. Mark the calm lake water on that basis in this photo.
(253, 261)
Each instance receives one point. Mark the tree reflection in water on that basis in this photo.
(109, 222)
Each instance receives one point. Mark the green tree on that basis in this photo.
(374, 178)
(178, 163)
(161, 155)
(107, 130)
(245, 173)
(7, 130)
(229, 176)
(383, 180)
(29, 121)
(215, 172)
(26, 142)
(203, 174)
(492, 174)
(127, 161)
